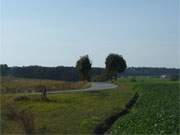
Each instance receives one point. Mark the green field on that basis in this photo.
(156, 112)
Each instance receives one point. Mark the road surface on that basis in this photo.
(95, 86)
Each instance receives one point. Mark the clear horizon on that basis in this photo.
(58, 32)
(92, 66)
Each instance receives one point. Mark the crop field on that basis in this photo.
(156, 112)
(14, 85)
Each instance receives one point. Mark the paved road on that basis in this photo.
(95, 86)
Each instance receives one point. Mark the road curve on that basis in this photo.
(95, 86)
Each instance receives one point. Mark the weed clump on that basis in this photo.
(22, 98)
(24, 117)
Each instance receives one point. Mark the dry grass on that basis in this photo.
(14, 85)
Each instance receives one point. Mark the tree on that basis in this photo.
(115, 63)
(174, 77)
(3, 69)
(83, 66)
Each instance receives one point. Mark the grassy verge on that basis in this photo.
(156, 112)
(14, 85)
(68, 113)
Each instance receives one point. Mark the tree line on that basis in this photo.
(115, 65)
(40, 72)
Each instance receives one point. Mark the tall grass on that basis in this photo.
(14, 85)
(21, 116)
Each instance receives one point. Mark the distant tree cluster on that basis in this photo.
(39, 72)
(3, 69)
(150, 71)
(97, 74)
(114, 64)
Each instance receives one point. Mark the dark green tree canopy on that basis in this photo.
(3, 69)
(83, 65)
(115, 63)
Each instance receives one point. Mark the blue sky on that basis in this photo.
(58, 32)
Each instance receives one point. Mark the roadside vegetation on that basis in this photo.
(16, 85)
(68, 113)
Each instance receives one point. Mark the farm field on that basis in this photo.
(14, 85)
(156, 112)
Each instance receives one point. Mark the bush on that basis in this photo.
(101, 78)
(133, 79)
(22, 98)
(174, 77)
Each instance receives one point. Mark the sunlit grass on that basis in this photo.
(31, 85)
(68, 113)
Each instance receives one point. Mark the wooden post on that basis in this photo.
(44, 93)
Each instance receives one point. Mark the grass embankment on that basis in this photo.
(156, 112)
(15, 85)
(68, 113)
